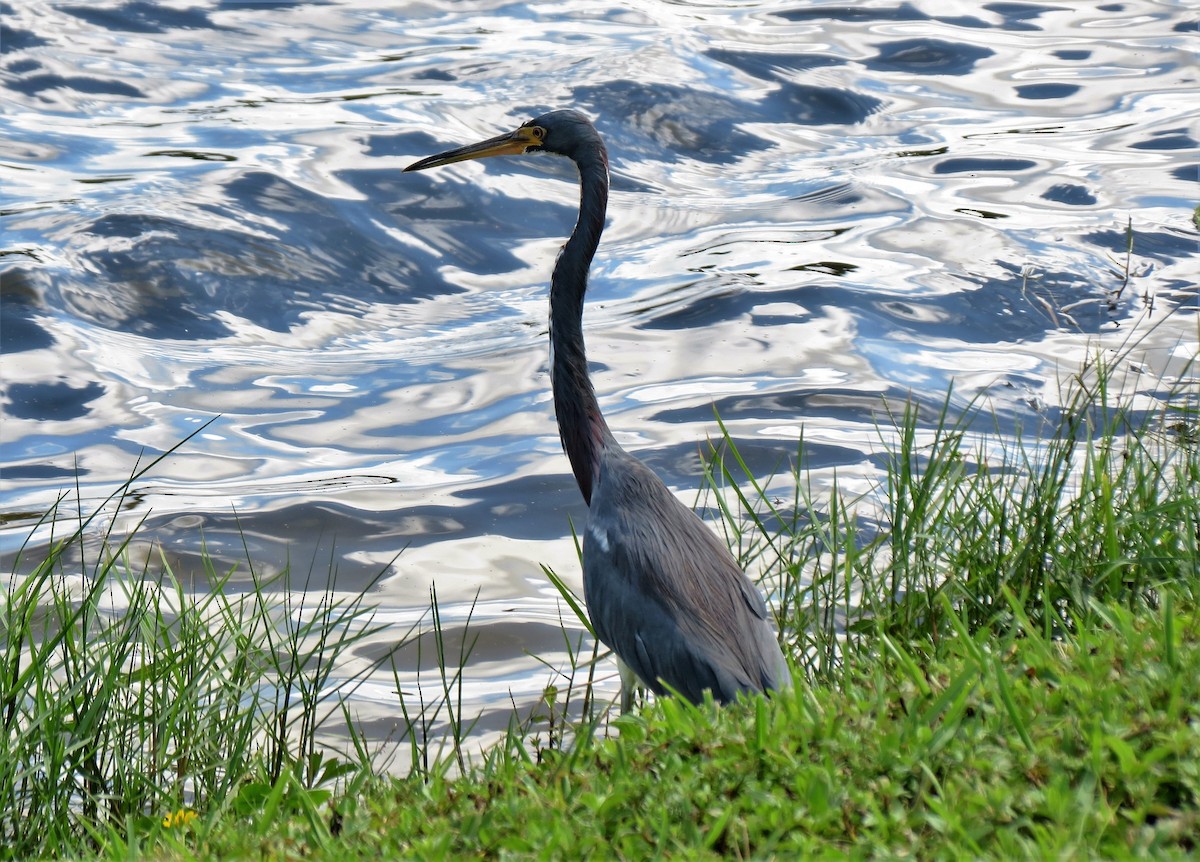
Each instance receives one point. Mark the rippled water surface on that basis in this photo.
(204, 221)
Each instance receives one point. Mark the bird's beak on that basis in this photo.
(509, 144)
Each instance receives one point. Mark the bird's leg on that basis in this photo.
(629, 682)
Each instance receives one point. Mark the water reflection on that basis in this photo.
(814, 207)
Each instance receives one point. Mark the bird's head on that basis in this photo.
(566, 133)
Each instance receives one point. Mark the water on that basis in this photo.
(205, 229)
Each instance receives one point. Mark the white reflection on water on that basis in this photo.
(814, 206)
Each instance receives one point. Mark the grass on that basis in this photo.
(1099, 506)
(997, 652)
(1026, 748)
(125, 693)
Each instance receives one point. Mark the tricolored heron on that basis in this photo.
(663, 592)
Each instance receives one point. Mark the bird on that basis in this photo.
(662, 591)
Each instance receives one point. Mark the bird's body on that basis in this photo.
(666, 595)
(662, 591)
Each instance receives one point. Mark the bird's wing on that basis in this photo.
(667, 596)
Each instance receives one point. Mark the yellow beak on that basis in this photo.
(509, 144)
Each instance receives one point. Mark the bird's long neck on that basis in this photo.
(582, 428)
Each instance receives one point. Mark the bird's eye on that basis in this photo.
(538, 132)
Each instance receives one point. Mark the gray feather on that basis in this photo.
(666, 594)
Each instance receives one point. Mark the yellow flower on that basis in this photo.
(179, 818)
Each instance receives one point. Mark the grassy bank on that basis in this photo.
(1025, 747)
(997, 650)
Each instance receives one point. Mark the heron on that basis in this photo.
(662, 591)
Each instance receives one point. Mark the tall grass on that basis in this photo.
(1101, 505)
(126, 693)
